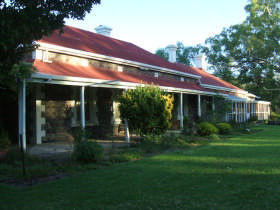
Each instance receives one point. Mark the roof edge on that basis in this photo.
(85, 54)
(214, 87)
(81, 81)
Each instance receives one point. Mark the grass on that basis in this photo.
(240, 173)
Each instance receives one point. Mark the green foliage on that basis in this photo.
(226, 170)
(4, 140)
(79, 135)
(274, 116)
(161, 52)
(247, 54)
(184, 54)
(147, 109)
(88, 152)
(214, 137)
(40, 169)
(11, 166)
(174, 140)
(125, 156)
(170, 140)
(37, 19)
(206, 129)
(253, 118)
(14, 157)
(224, 128)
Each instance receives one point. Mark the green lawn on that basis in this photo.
(241, 173)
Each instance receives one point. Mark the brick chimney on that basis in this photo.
(103, 30)
(171, 50)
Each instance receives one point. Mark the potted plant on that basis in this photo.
(4, 144)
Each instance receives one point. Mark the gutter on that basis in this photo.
(80, 81)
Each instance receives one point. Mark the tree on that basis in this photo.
(147, 109)
(248, 54)
(161, 52)
(184, 54)
(23, 22)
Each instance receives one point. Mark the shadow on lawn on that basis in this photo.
(217, 176)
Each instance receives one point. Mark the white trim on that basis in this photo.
(80, 81)
(84, 54)
(214, 87)
(262, 102)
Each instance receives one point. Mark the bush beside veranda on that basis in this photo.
(224, 128)
(88, 151)
(148, 110)
(206, 129)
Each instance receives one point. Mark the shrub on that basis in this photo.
(206, 129)
(224, 128)
(149, 139)
(14, 157)
(118, 158)
(168, 140)
(148, 110)
(174, 140)
(274, 116)
(126, 156)
(79, 134)
(214, 137)
(88, 151)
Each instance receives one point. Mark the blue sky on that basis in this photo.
(152, 24)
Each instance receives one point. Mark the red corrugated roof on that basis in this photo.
(64, 69)
(95, 43)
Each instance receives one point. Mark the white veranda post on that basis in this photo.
(199, 106)
(82, 107)
(235, 112)
(181, 111)
(127, 136)
(22, 114)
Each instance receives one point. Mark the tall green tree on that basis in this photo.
(248, 54)
(21, 23)
(24, 21)
(184, 54)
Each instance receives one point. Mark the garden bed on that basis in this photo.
(44, 169)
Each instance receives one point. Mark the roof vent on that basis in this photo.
(103, 30)
(171, 50)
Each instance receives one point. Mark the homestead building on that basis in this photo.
(80, 75)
